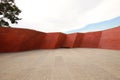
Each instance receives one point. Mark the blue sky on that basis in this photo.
(64, 15)
(115, 22)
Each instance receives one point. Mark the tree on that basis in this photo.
(8, 12)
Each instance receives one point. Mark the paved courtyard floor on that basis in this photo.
(61, 64)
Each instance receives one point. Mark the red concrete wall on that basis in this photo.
(53, 40)
(91, 40)
(61, 40)
(78, 40)
(110, 39)
(17, 39)
(13, 39)
(72, 40)
(69, 41)
(34, 42)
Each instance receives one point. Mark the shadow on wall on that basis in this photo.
(73, 40)
(53, 40)
(17, 39)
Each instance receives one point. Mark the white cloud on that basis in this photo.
(62, 15)
(108, 9)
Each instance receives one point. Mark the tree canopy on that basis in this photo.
(8, 13)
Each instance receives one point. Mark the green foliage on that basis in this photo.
(8, 12)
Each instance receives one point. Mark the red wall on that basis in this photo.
(91, 40)
(110, 39)
(53, 40)
(78, 40)
(72, 40)
(34, 42)
(17, 39)
(14, 39)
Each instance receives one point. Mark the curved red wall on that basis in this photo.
(110, 39)
(34, 42)
(72, 40)
(90, 40)
(53, 40)
(15, 39)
